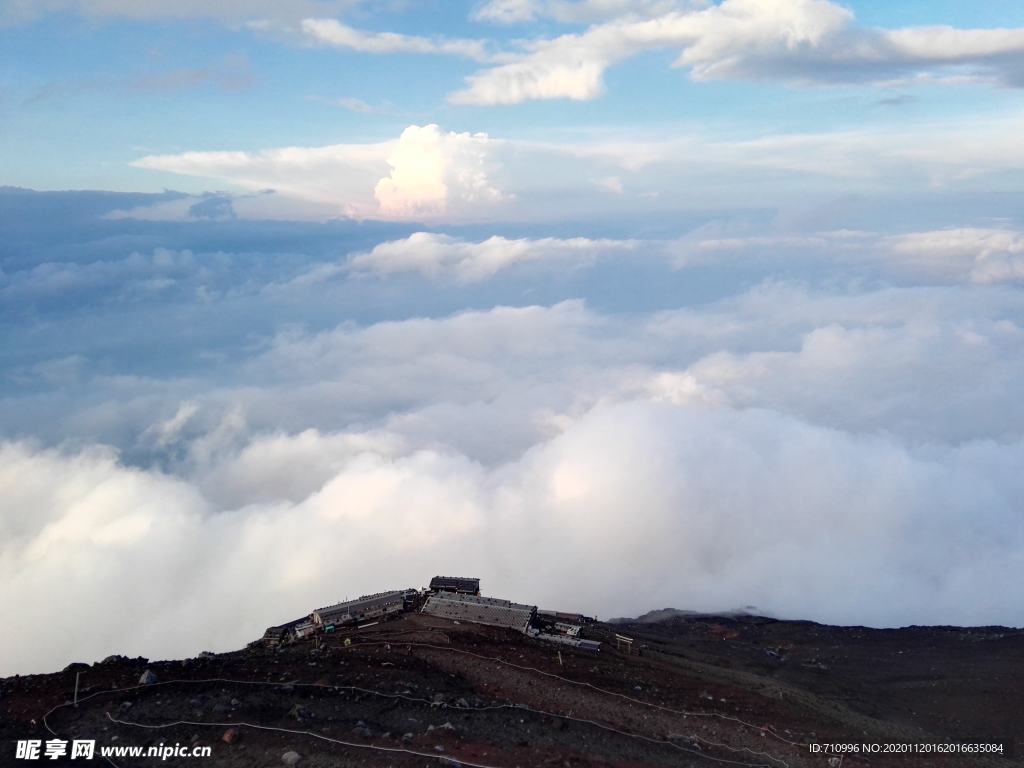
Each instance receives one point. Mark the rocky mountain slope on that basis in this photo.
(422, 691)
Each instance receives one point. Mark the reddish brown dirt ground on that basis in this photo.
(420, 691)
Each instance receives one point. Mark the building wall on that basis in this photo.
(459, 584)
(480, 610)
(369, 606)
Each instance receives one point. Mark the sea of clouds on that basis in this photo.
(206, 432)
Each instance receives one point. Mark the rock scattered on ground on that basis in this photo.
(421, 682)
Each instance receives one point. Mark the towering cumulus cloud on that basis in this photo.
(429, 168)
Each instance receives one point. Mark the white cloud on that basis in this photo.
(460, 380)
(507, 11)
(260, 204)
(353, 104)
(133, 278)
(165, 432)
(705, 508)
(438, 255)
(926, 157)
(966, 254)
(433, 173)
(769, 449)
(977, 254)
(796, 41)
(573, 11)
(333, 32)
(19, 11)
(340, 174)
(611, 183)
(568, 67)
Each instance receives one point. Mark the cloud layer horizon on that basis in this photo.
(843, 447)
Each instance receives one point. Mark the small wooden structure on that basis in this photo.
(462, 585)
(624, 643)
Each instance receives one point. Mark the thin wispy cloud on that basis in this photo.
(333, 32)
(573, 11)
(353, 104)
(232, 11)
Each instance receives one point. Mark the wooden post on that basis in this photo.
(77, 675)
(560, 659)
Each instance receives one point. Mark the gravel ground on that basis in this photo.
(421, 691)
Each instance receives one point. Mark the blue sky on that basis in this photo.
(89, 88)
(404, 288)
